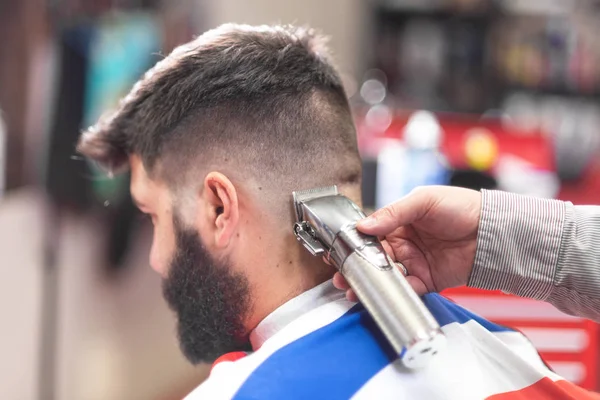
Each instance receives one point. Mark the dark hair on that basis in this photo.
(263, 100)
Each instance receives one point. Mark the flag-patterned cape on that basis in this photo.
(332, 349)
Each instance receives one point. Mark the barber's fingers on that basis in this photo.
(402, 212)
(413, 257)
(417, 284)
(340, 282)
(351, 296)
(388, 249)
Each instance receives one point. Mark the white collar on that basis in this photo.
(292, 309)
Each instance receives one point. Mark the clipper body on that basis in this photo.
(326, 226)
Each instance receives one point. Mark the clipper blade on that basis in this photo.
(309, 194)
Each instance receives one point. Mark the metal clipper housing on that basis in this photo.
(326, 226)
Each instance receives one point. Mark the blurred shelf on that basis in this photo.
(399, 13)
(477, 45)
(485, 8)
(556, 90)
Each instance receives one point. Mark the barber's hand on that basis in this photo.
(432, 232)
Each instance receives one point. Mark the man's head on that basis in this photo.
(218, 135)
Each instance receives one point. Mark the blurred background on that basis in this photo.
(476, 93)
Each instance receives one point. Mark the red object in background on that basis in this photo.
(531, 146)
(569, 345)
(585, 190)
(229, 357)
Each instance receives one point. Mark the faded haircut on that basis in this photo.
(264, 104)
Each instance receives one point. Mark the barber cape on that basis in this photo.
(321, 346)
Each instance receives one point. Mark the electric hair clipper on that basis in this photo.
(326, 226)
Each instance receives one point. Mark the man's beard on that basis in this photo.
(210, 301)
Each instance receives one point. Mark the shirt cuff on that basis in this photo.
(518, 243)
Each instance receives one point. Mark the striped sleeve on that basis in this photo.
(539, 248)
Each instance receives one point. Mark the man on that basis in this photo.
(217, 137)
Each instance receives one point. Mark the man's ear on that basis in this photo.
(223, 207)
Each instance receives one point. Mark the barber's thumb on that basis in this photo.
(380, 223)
(402, 212)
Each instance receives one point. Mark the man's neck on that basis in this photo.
(287, 274)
